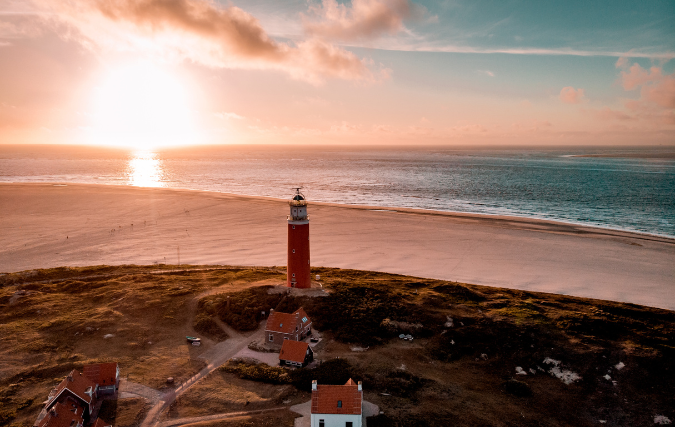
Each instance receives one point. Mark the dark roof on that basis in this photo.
(103, 374)
(298, 197)
(294, 351)
(326, 397)
(287, 322)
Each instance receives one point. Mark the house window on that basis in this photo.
(322, 423)
(339, 404)
(271, 337)
(348, 424)
(285, 338)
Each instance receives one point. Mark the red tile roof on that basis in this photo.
(103, 374)
(294, 351)
(286, 322)
(326, 397)
(62, 416)
(78, 385)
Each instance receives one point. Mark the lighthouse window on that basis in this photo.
(293, 250)
(294, 227)
(293, 274)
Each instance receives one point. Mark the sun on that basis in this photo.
(142, 106)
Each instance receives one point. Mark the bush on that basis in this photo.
(517, 388)
(355, 313)
(401, 383)
(257, 372)
(335, 372)
(244, 308)
(6, 416)
(204, 324)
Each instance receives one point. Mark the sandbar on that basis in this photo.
(47, 225)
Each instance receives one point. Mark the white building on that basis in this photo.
(337, 405)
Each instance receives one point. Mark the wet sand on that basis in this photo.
(46, 225)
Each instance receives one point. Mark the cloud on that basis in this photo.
(365, 19)
(204, 32)
(225, 115)
(607, 113)
(622, 62)
(417, 47)
(569, 95)
(638, 76)
(655, 87)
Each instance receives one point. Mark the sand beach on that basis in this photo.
(49, 225)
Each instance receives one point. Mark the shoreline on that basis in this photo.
(47, 225)
(525, 220)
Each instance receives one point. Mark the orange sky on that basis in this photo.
(160, 72)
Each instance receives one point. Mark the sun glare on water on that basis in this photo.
(142, 106)
(145, 169)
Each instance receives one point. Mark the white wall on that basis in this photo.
(336, 420)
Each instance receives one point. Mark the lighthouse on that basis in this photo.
(298, 243)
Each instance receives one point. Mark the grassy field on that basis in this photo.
(584, 360)
(52, 321)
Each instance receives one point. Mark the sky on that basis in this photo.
(152, 73)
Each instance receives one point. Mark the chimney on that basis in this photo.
(313, 385)
(360, 386)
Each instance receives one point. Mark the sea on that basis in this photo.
(620, 188)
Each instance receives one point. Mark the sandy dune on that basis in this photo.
(44, 225)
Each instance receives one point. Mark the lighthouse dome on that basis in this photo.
(298, 197)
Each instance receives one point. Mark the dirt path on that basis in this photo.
(131, 389)
(191, 420)
(215, 356)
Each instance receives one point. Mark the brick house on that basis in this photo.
(337, 405)
(62, 415)
(74, 389)
(295, 353)
(105, 375)
(287, 326)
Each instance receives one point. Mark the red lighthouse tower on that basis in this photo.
(298, 243)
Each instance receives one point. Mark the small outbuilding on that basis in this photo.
(295, 353)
